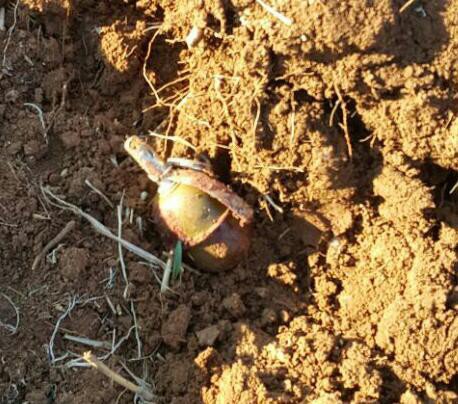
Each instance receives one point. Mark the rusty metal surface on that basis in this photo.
(145, 157)
(216, 189)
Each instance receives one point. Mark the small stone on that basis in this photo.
(36, 396)
(144, 195)
(14, 148)
(116, 143)
(225, 329)
(139, 273)
(64, 172)
(208, 359)
(285, 316)
(36, 149)
(268, 316)
(174, 329)
(70, 139)
(31, 148)
(208, 336)
(53, 179)
(38, 96)
(73, 262)
(199, 298)
(12, 96)
(409, 397)
(234, 305)
(103, 146)
(262, 292)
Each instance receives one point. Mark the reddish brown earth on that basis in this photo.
(349, 293)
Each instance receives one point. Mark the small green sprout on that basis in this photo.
(177, 266)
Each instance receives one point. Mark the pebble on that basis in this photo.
(234, 305)
(208, 336)
(70, 139)
(174, 329)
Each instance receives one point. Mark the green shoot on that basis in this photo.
(177, 267)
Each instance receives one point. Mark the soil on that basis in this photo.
(347, 119)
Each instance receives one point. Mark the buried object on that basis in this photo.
(193, 206)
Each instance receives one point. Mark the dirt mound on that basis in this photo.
(337, 121)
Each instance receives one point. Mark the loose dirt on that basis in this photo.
(347, 120)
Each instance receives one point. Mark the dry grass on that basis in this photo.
(55, 241)
(344, 124)
(11, 328)
(142, 390)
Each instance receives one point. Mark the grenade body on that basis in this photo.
(192, 206)
(213, 239)
(224, 248)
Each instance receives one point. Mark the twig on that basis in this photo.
(368, 137)
(406, 5)
(56, 111)
(280, 168)
(176, 139)
(110, 304)
(233, 131)
(139, 222)
(273, 204)
(40, 117)
(104, 230)
(265, 205)
(10, 32)
(72, 302)
(2, 19)
(121, 256)
(454, 188)
(98, 192)
(293, 123)
(52, 257)
(173, 82)
(111, 280)
(284, 233)
(132, 375)
(120, 395)
(131, 216)
(13, 171)
(2, 223)
(344, 126)
(56, 240)
(145, 75)
(87, 341)
(9, 327)
(449, 120)
(194, 36)
(256, 121)
(166, 275)
(142, 391)
(137, 335)
(283, 18)
(333, 112)
(116, 346)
